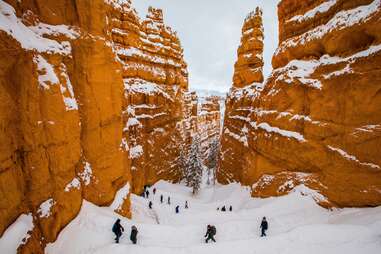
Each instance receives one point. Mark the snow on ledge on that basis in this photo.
(341, 20)
(16, 234)
(44, 210)
(74, 184)
(29, 39)
(47, 76)
(120, 197)
(324, 7)
(285, 133)
(136, 152)
(353, 158)
(301, 70)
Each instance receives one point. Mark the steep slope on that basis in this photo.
(74, 76)
(316, 119)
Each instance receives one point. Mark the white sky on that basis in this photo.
(210, 33)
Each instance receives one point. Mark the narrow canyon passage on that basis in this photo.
(97, 108)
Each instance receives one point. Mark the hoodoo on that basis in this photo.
(315, 121)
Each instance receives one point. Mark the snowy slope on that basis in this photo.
(297, 225)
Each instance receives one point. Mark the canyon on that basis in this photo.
(96, 106)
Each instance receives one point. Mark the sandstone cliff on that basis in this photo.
(88, 94)
(316, 119)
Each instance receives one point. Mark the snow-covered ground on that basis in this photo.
(297, 225)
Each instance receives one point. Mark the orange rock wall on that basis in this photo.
(71, 79)
(316, 120)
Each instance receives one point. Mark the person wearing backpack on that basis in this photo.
(117, 228)
(210, 233)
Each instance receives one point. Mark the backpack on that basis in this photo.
(213, 230)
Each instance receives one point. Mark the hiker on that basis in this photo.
(230, 208)
(218, 208)
(117, 229)
(169, 200)
(150, 205)
(154, 191)
(186, 205)
(177, 209)
(147, 193)
(264, 226)
(210, 233)
(223, 209)
(134, 233)
(161, 198)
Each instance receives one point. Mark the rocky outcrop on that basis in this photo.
(316, 120)
(155, 78)
(89, 93)
(249, 65)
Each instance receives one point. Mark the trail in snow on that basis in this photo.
(297, 225)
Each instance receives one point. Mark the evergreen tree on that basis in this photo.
(194, 165)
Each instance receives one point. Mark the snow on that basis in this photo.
(144, 87)
(242, 139)
(353, 158)
(44, 209)
(55, 30)
(74, 184)
(70, 102)
(324, 7)
(285, 133)
(136, 151)
(86, 174)
(132, 121)
(120, 197)
(26, 36)
(341, 20)
(297, 225)
(301, 70)
(46, 75)
(16, 234)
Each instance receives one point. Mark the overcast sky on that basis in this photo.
(210, 33)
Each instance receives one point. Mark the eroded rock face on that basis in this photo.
(316, 120)
(90, 95)
(155, 80)
(249, 65)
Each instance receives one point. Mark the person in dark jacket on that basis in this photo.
(210, 233)
(150, 205)
(169, 200)
(186, 205)
(231, 209)
(117, 229)
(147, 193)
(177, 209)
(161, 199)
(134, 233)
(264, 226)
(154, 191)
(223, 209)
